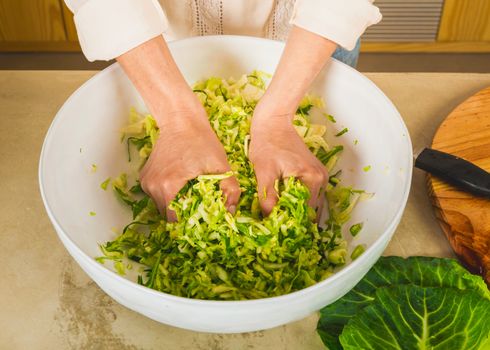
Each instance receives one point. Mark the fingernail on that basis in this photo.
(232, 209)
(265, 212)
(171, 217)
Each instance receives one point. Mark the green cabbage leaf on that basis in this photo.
(425, 272)
(415, 318)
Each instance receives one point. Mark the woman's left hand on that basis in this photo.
(277, 152)
(276, 149)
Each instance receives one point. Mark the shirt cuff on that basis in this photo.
(108, 28)
(342, 21)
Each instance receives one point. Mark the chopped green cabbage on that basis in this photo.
(210, 253)
(356, 228)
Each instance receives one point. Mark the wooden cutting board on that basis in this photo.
(464, 218)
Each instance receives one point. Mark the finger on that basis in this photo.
(231, 193)
(158, 198)
(266, 179)
(170, 186)
(154, 192)
(315, 180)
(171, 215)
(162, 192)
(314, 193)
(321, 204)
(160, 202)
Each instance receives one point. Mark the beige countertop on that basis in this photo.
(47, 302)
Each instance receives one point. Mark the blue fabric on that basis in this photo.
(348, 57)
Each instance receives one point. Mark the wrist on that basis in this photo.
(278, 101)
(267, 120)
(269, 110)
(181, 112)
(172, 91)
(155, 75)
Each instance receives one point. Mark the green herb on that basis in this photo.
(356, 141)
(138, 206)
(138, 142)
(355, 229)
(335, 178)
(414, 278)
(92, 213)
(326, 155)
(197, 91)
(330, 117)
(305, 109)
(123, 195)
(94, 168)
(136, 188)
(211, 254)
(141, 223)
(119, 266)
(358, 250)
(366, 168)
(104, 184)
(342, 132)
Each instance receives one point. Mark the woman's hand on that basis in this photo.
(183, 151)
(187, 146)
(278, 152)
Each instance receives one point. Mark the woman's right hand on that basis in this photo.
(186, 148)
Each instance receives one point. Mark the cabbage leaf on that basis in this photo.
(391, 271)
(414, 318)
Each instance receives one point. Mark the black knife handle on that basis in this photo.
(455, 170)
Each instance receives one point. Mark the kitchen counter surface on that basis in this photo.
(47, 302)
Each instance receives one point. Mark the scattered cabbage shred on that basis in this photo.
(211, 254)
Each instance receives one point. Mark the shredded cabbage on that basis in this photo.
(211, 254)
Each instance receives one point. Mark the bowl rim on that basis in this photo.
(361, 260)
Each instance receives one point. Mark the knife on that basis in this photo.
(455, 170)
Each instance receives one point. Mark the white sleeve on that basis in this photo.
(108, 28)
(74, 5)
(342, 21)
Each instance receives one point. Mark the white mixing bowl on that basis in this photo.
(86, 131)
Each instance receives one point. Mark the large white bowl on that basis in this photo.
(86, 131)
